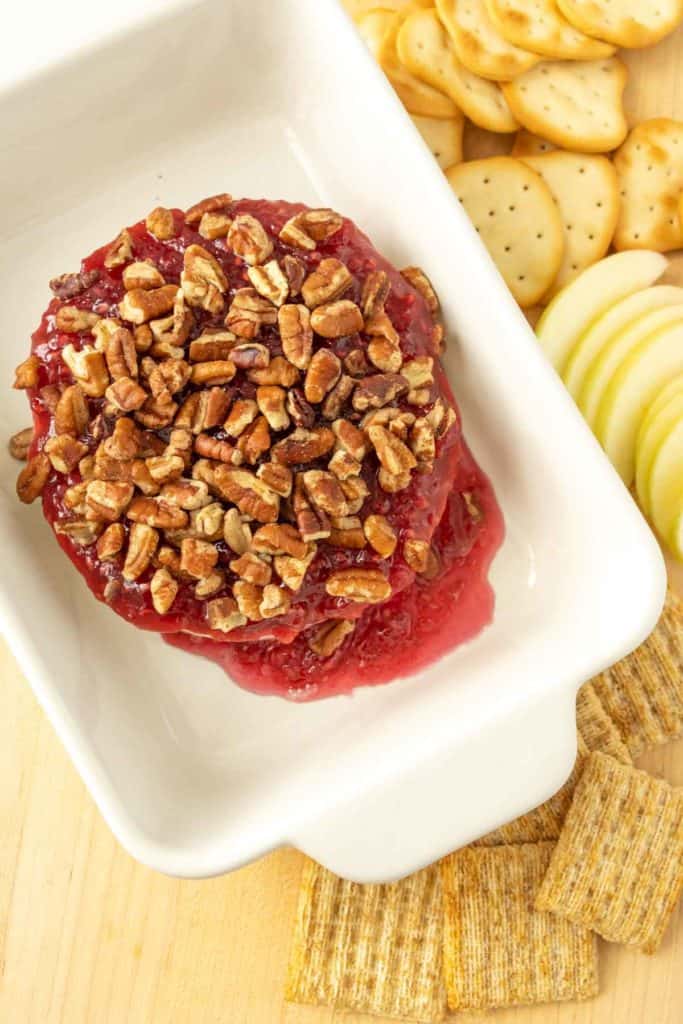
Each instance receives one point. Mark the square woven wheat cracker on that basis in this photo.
(618, 865)
(370, 948)
(596, 728)
(643, 694)
(500, 951)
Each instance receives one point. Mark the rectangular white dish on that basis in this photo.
(194, 775)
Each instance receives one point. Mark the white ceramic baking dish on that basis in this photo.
(194, 775)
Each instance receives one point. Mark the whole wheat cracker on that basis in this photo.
(479, 45)
(424, 47)
(541, 27)
(443, 137)
(515, 214)
(627, 23)
(617, 867)
(577, 105)
(596, 728)
(498, 950)
(585, 189)
(649, 167)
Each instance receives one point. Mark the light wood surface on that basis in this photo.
(87, 936)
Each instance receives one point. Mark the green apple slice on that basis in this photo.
(602, 330)
(666, 483)
(615, 352)
(592, 293)
(635, 385)
(653, 430)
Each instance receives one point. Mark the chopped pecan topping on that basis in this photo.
(376, 288)
(422, 442)
(310, 226)
(249, 239)
(303, 446)
(295, 272)
(313, 523)
(338, 396)
(324, 491)
(279, 371)
(207, 522)
(254, 441)
(142, 274)
(71, 413)
(20, 443)
(165, 468)
(279, 539)
(270, 282)
(157, 412)
(302, 414)
(278, 478)
(242, 488)
(347, 532)
(293, 233)
(296, 334)
(243, 412)
(107, 500)
(86, 467)
(163, 589)
(214, 204)
(143, 337)
(212, 347)
(72, 320)
(442, 417)
(111, 542)
(64, 452)
(26, 374)
(416, 554)
(418, 372)
(328, 281)
(356, 491)
(120, 353)
(68, 286)
(155, 512)
(88, 368)
(323, 373)
(393, 482)
(126, 394)
(292, 571)
(249, 312)
(197, 557)
(274, 601)
(248, 596)
(83, 532)
(356, 365)
(120, 250)
(214, 225)
(336, 319)
(140, 305)
(180, 443)
(350, 439)
(210, 585)
(378, 390)
(250, 356)
(421, 283)
(103, 330)
(381, 535)
(33, 477)
(343, 465)
(187, 494)
(438, 338)
(329, 637)
(367, 586)
(125, 441)
(160, 223)
(472, 505)
(384, 349)
(142, 543)
(202, 280)
(211, 448)
(271, 402)
(219, 372)
(251, 568)
(224, 615)
(394, 420)
(236, 534)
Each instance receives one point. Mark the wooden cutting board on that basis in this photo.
(87, 936)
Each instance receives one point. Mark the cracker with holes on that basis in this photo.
(618, 865)
(479, 45)
(649, 166)
(478, 143)
(500, 951)
(576, 105)
(587, 196)
(369, 948)
(426, 50)
(541, 27)
(627, 23)
(528, 144)
(443, 137)
(514, 212)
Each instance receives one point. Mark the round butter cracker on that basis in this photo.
(540, 26)
(426, 50)
(515, 214)
(587, 196)
(627, 23)
(574, 104)
(478, 143)
(443, 137)
(649, 167)
(479, 45)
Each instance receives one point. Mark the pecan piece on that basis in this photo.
(142, 543)
(88, 368)
(378, 390)
(120, 353)
(328, 281)
(356, 491)
(248, 312)
(329, 637)
(442, 417)
(71, 414)
(111, 542)
(125, 441)
(251, 568)
(163, 589)
(120, 250)
(270, 282)
(336, 319)
(248, 596)
(324, 491)
(381, 535)
(392, 453)
(423, 286)
(81, 531)
(338, 396)
(207, 522)
(278, 478)
(350, 439)
(323, 373)
(213, 204)
(211, 448)
(343, 465)
(296, 334)
(250, 356)
(423, 442)
(347, 532)
(254, 441)
(375, 292)
(292, 571)
(298, 408)
(473, 507)
(72, 320)
(180, 443)
(126, 394)
(279, 371)
(212, 347)
(236, 534)
(187, 494)
(219, 372)
(295, 272)
(161, 223)
(20, 443)
(64, 452)
(224, 615)
(154, 512)
(279, 539)
(214, 225)
(197, 557)
(26, 374)
(165, 468)
(243, 412)
(249, 239)
(252, 496)
(274, 601)
(140, 305)
(384, 348)
(416, 554)
(304, 229)
(157, 412)
(393, 482)
(33, 477)
(107, 500)
(367, 586)
(271, 402)
(356, 365)
(313, 523)
(202, 280)
(418, 372)
(142, 274)
(210, 585)
(303, 446)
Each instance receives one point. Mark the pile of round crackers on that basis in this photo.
(541, 86)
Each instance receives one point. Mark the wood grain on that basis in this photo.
(87, 936)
